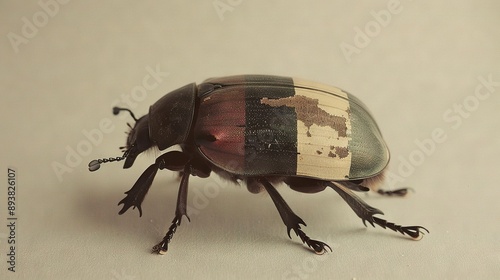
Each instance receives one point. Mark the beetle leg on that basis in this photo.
(200, 168)
(415, 232)
(174, 160)
(136, 194)
(397, 192)
(290, 219)
(305, 185)
(181, 210)
(355, 187)
(366, 212)
(363, 210)
(308, 185)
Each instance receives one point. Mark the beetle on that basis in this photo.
(263, 130)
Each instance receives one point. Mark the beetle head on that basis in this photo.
(138, 141)
(168, 123)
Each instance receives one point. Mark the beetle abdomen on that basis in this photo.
(268, 125)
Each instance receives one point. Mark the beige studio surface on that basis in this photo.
(428, 71)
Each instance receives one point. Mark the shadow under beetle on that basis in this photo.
(263, 130)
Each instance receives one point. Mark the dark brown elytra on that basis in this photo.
(249, 145)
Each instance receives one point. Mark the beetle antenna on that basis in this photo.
(117, 110)
(96, 163)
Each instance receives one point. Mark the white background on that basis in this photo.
(64, 65)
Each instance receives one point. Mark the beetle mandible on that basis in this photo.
(263, 130)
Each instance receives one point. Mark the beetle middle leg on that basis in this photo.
(187, 166)
(290, 219)
(181, 210)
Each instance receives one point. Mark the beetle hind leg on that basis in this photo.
(366, 213)
(290, 219)
(415, 232)
(397, 192)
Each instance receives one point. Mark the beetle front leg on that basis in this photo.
(290, 219)
(181, 210)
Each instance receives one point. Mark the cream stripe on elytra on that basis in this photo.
(323, 145)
